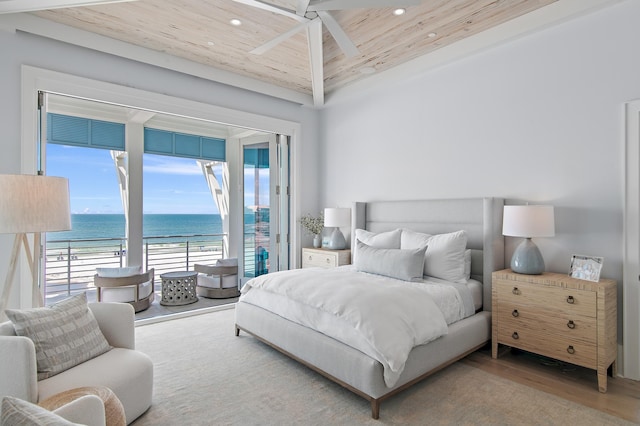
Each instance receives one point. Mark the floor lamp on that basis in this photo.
(31, 204)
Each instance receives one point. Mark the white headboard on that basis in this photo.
(481, 218)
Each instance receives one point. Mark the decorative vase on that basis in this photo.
(317, 241)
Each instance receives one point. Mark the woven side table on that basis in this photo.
(179, 288)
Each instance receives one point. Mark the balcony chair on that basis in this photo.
(126, 285)
(219, 281)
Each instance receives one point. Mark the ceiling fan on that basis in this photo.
(311, 15)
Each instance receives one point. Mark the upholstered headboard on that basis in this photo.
(481, 218)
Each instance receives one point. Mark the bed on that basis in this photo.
(353, 368)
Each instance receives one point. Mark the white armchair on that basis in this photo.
(127, 372)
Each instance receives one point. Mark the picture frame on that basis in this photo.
(585, 267)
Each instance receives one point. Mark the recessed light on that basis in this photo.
(210, 43)
(236, 22)
(399, 11)
(432, 35)
(367, 70)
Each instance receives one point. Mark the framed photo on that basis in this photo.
(586, 267)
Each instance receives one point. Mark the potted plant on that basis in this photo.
(314, 226)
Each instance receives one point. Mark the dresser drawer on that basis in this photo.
(553, 301)
(523, 317)
(555, 346)
(314, 259)
(323, 258)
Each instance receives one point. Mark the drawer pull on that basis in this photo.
(328, 260)
(310, 257)
(515, 290)
(571, 300)
(515, 335)
(571, 350)
(515, 313)
(571, 324)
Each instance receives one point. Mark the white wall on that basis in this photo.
(17, 49)
(538, 119)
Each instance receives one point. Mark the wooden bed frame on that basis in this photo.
(481, 218)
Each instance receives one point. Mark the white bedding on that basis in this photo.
(382, 317)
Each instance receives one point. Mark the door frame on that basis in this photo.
(35, 79)
(631, 266)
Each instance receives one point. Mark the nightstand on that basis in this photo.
(325, 258)
(557, 316)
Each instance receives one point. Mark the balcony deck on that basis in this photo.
(71, 264)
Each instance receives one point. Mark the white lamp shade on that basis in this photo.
(528, 221)
(30, 203)
(337, 217)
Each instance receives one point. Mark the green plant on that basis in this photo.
(312, 224)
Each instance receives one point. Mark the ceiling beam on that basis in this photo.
(301, 7)
(17, 6)
(359, 4)
(273, 9)
(316, 59)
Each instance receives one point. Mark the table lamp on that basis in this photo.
(528, 222)
(31, 204)
(335, 218)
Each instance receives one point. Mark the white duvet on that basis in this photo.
(382, 317)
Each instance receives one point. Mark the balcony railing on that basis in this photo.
(71, 264)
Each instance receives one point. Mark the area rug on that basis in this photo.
(205, 375)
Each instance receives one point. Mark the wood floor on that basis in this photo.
(567, 381)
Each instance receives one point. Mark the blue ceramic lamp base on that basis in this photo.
(527, 259)
(337, 241)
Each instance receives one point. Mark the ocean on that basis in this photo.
(94, 226)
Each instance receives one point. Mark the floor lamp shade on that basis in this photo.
(528, 222)
(31, 203)
(336, 218)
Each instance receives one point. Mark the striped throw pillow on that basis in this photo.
(65, 334)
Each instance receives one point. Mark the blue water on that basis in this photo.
(93, 226)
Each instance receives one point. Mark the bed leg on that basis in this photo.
(375, 409)
(237, 331)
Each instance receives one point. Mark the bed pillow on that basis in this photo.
(445, 258)
(64, 334)
(382, 240)
(406, 265)
(467, 264)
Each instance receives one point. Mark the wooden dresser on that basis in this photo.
(557, 316)
(325, 258)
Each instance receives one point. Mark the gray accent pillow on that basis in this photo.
(17, 412)
(406, 265)
(65, 334)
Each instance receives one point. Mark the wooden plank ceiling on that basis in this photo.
(200, 31)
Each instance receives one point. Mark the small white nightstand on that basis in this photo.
(325, 258)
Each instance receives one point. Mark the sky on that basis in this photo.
(172, 185)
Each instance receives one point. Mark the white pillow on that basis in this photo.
(406, 265)
(386, 240)
(467, 264)
(127, 271)
(445, 257)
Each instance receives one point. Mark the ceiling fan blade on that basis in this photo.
(359, 4)
(274, 9)
(17, 6)
(343, 40)
(282, 37)
(316, 59)
(301, 8)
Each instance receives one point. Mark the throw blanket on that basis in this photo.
(383, 317)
